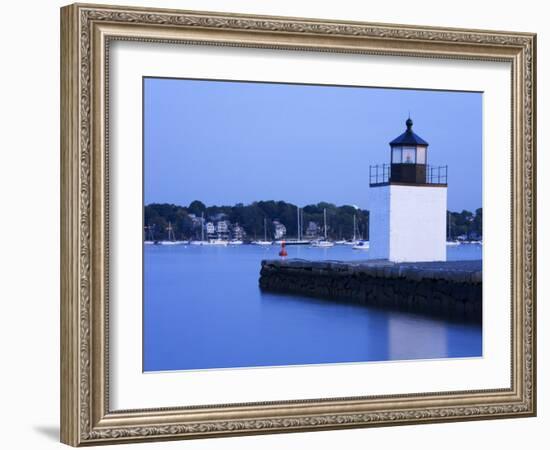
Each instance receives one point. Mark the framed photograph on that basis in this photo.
(275, 224)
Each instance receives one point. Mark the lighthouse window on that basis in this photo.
(396, 155)
(409, 155)
(420, 155)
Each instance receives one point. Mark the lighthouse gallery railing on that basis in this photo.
(381, 174)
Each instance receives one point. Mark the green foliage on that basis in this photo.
(465, 225)
(196, 207)
(251, 218)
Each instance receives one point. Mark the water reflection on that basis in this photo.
(203, 309)
(413, 337)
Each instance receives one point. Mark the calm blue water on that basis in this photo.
(203, 309)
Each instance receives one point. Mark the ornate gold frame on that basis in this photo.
(86, 31)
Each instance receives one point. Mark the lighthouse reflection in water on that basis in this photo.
(203, 309)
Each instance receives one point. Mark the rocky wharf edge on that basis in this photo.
(451, 289)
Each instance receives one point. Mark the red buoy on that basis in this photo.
(283, 249)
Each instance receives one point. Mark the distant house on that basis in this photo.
(222, 227)
(312, 230)
(238, 232)
(279, 230)
(210, 229)
(196, 221)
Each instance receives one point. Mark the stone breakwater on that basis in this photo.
(451, 289)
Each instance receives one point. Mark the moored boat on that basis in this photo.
(171, 238)
(293, 242)
(265, 241)
(325, 243)
(218, 242)
(354, 241)
(361, 245)
(453, 243)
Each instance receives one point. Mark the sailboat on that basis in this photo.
(171, 237)
(265, 241)
(361, 245)
(149, 235)
(450, 243)
(202, 241)
(323, 243)
(354, 241)
(298, 240)
(358, 244)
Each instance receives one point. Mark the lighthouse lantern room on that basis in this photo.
(408, 203)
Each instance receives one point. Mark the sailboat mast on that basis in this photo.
(325, 220)
(354, 228)
(265, 229)
(202, 226)
(298, 222)
(302, 223)
(448, 225)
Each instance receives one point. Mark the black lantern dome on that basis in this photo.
(409, 157)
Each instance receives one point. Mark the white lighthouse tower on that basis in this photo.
(408, 204)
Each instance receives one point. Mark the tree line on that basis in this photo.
(186, 224)
(465, 224)
(184, 219)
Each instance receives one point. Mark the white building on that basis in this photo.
(279, 230)
(313, 229)
(408, 204)
(210, 229)
(222, 227)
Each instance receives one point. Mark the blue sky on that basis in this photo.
(237, 142)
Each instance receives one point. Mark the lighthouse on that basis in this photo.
(408, 203)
